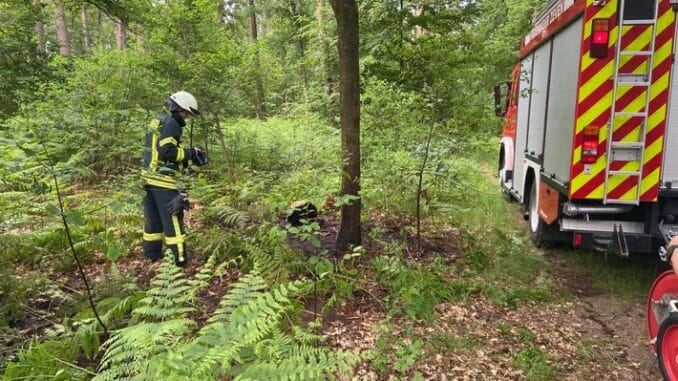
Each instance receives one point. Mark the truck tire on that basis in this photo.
(537, 226)
(501, 175)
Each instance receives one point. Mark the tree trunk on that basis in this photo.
(261, 100)
(40, 28)
(86, 32)
(325, 73)
(120, 35)
(62, 31)
(418, 11)
(296, 21)
(222, 143)
(346, 14)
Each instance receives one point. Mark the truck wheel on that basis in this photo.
(501, 174)
(667, 347)
(537, 226)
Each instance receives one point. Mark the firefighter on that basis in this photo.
(164, 160)
(673, 244)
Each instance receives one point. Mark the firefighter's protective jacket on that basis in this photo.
(164, 156)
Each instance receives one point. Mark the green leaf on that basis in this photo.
(53, 210)
(113, 252)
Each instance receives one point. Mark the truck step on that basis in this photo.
(635, 53)
(621, 202)
(631, 114)
(633, 83)
(628, 145)
(625, 173)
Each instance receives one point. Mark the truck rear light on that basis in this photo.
(589, 147)
(600, 37)
(576, 242)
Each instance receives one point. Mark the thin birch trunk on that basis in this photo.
(86, 31)
(261, 100)
(40, 28)
(62, 31)
(120, 35)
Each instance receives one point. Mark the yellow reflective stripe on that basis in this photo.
(167, 140)
(152, 236)
(181, 155)
(174, 240)
(179, 237)
(154, 151)
(160, 184)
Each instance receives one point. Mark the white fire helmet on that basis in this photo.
(186, 101)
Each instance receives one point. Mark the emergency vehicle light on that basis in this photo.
(600, 37)
(589, 147)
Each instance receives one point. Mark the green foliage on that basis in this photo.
(393, 354)
(413, 290)
(22, 69)
(245, 338)
(49, 360)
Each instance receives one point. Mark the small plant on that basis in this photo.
(393, 353)
(306, 231)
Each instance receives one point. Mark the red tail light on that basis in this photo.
(600, 37)
(589, 147)
(577, 240)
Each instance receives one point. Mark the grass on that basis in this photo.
(627, 278)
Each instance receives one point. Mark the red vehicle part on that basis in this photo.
(667, 347)
(664, 288)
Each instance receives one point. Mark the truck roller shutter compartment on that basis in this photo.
(562, 101)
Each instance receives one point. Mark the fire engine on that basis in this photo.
(590, 137)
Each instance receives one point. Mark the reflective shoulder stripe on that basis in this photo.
(167, 140)
(153, 236)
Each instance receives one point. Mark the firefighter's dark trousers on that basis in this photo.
(161, 226)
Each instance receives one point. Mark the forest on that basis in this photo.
(371, 121)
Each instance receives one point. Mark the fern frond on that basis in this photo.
(248, 288)
(135, 344)
(204, 276)
(228, 216)
(168, 295)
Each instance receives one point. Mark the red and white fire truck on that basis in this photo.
(590, 140)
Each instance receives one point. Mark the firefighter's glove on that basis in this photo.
(178, 204)
(199, 157)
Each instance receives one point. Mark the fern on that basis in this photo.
(168, 295)
(228, 216)
(209, 271)
(249, 337)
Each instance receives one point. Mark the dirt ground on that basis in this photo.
(585, 334)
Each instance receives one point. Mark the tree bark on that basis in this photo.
(261, 100)
(120, 35)
(62, 31)
(296, 21)
(40, 28)
(346, 14)
(86, 32)
(325, 73)
(222, 143)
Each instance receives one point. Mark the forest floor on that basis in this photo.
(587, 329)
(584, 333)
